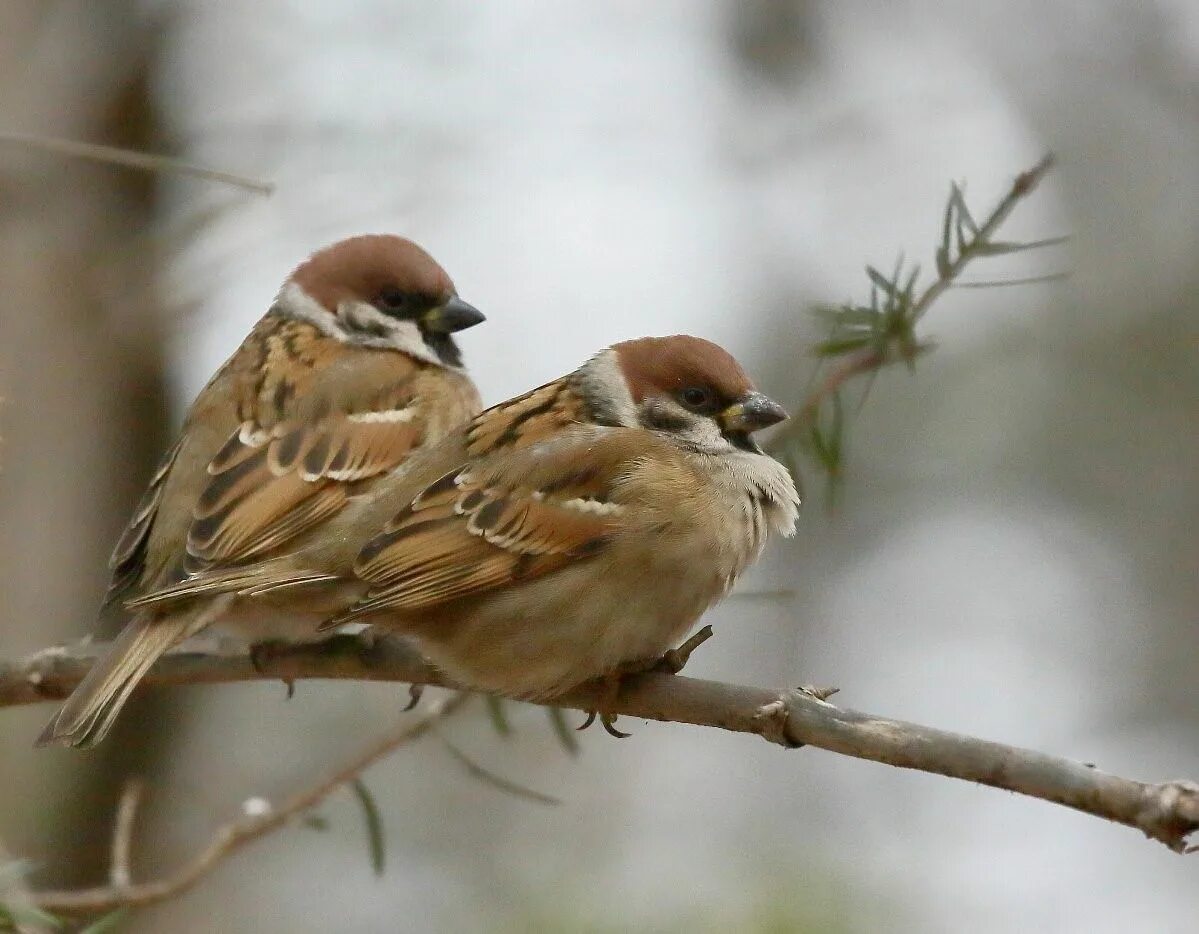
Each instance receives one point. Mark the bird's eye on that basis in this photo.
(698, 398)
(393, 301)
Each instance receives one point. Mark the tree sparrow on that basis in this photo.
(351, 370)
(560, 536)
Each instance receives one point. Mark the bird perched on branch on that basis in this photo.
(574, 532)
(352, 369)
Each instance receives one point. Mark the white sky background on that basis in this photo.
(589, 172)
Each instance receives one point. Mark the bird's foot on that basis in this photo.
(414, 694)
(610, 688)
(261, 655)
(671, 662)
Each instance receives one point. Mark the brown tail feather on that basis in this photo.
(93, 706)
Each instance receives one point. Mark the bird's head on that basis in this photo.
(380, 290)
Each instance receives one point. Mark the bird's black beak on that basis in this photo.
(751, 412)
(454, 315)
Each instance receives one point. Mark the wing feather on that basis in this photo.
(504, 518)
(266, 489)
(128, 557)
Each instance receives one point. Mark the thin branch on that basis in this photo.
(112, 155)
(864, 361)
(256, 822)
(1167, 812)
(863, 353)
(1024, 185)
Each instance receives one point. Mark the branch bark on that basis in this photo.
(1167, 811)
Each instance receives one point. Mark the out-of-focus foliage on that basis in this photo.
(862, 339)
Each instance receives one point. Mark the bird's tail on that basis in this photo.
(93, 706)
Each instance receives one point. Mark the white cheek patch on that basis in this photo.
(365, 325)
(356, 323)
(603, 383)
(296, 303)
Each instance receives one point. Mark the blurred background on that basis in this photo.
(1013, 554)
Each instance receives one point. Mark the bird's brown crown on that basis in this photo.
(362, 268)
(669, 364)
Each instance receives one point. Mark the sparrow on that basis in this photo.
(575, 532)
(352, 369)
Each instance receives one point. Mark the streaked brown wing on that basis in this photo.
(510, 517)
(268, 486)
(539, 414)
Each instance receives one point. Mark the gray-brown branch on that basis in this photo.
(1167, 811)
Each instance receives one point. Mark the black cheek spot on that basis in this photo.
(655, 415)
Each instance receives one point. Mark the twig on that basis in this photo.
(864, 361)
(1024, 185)
(864, 353)
(113, 155)
(256, 822)
(120, 875)
(1167, 812)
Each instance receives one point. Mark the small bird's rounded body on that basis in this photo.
(351, 370)
(681, 531)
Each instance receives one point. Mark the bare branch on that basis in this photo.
(1167, 812)
(112, 155)
(257, 821)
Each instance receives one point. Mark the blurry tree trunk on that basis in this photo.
(81, 377)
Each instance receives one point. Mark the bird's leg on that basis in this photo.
(671, 662)
(261, 654)
(414, 694)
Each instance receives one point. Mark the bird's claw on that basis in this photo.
(671, 662)
(414, 695)
(608, 720)
(611, 688)
(261, 654)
